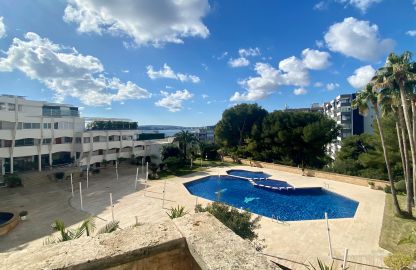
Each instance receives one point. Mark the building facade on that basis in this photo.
(350, 120)
(39, 135)
(205, 134)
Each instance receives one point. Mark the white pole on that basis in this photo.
(329, 235)
(164, 192)
(117, 169)
(147, 171)
(72, 187)
(80, 195)
(344, 264)
(88, 172)
(112, 206)
(137, 175)
(142, 165)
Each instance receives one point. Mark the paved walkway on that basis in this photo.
(308, 238)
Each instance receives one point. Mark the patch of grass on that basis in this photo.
(181, 171)
(394, 228)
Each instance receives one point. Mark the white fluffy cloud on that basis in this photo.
(238, 62)
(167, 72)
(67, 72)
(411, 33)
(331, 86)
(2, 28)
(173, 101)
(358, 39)
(362, 5)
(242, 61)
(146, 22)
(361, 76)
(249, 52)
(314, 59)
(294, 72)
(300, 91)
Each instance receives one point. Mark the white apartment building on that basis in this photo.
(39, 135)
(351, 122)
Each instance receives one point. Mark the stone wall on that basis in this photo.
(193, 242)
(361, 181)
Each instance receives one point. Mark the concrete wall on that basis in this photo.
(360, 181)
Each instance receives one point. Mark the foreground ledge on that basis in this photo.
(193, 242)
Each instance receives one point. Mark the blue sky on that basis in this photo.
(185, 62)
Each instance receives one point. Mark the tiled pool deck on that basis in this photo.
(306, 239)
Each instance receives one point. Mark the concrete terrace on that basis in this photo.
(292, 244)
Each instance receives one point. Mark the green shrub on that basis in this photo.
(12, 180)
(177, 212)
(400, 186)
(59, 175)
(396, 261)
(173, 163)
(387, 189)
(240, 222)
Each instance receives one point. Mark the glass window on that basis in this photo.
(47, 141)
(12, 107)
(86, 139)
(78, 139)
(2, 106)
(27, 125)
(55, 125)
(20, 108)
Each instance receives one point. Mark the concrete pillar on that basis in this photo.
(11, 165)
(39, 162)
(3, 169)
(50, 159)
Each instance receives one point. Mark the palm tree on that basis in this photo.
(391, 105)
(185, 138)
(399, 72)
(363, 99)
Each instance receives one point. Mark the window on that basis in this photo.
(55, 125)
(19, 125)
(47, 141)
(20, 108)
(87, 139)
(96, 139)
(2, 106)
(47, 125)
(11, 106)
(78, 139)
(27, 125)
(35, 126)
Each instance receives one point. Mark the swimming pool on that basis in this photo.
(248, 174)
(299, 204)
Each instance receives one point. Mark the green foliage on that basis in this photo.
(410, 239)
(171, 151)
(397, 261)
(153, 168)
(209, 151)
(177, 212)
(173, 162)
(87, 227)
(240, 222)
(401, 186)
(321, 266)
(239, 123)
(112, 125)
(387, 189)
(110, 227)
(185, 139)
(297, 138)
(13, 180)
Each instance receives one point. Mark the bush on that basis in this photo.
(12, 181)
(59, 175)
(387, 189)
(173, 163)
(397, 261)
(170, 151)
(400, 186)
(240, 223)
(177, 212)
